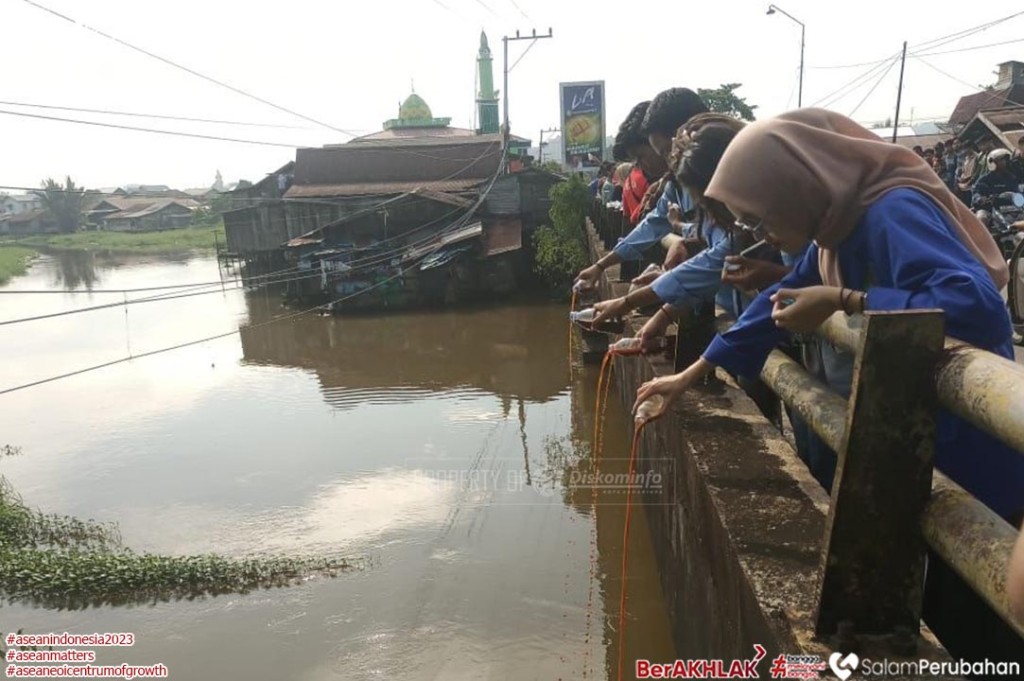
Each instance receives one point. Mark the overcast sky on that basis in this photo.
(349, 64)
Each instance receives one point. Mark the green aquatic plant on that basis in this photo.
(62, 562)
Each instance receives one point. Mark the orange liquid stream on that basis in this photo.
(625, 546)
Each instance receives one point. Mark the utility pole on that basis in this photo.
(505, 39)
(541, 147)
(899, 95)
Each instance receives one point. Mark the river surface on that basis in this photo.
(436, 449)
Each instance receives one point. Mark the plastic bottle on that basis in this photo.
(585, 318)
(649, 409)
(625, 346)
(583, 286)
(631, 346)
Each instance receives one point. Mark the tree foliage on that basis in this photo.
(724, 99)
(63, 202)
(560, 248)
(552, 167)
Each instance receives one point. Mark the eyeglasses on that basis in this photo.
(757, 231)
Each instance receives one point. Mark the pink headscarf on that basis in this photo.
(818, 171)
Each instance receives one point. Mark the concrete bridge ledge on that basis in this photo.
(738, 523)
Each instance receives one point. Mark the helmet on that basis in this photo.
(995, 155)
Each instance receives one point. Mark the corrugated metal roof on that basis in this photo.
(472, 231)
(970, 105)
(1008, 119)
(379, 188)
(445, 197)
(28, 216)
(303, 241)
(923, 141)
(1003, 124)
(397, 138)
(143, 211)
(410, 134)
(140, 203)
(371, 164)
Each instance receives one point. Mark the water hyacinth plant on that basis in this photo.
(60, 562)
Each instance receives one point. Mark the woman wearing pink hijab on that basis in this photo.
(886, 234)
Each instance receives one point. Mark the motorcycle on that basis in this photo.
(1009, 210)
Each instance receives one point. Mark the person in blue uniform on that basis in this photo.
(667, 111)
(887, 235)
(697, 282)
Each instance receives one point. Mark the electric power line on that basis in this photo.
(969, 49)
(852, 85)
(947, 75)
(149, 130)
(151, 115)
(381, 145)
(520, 10)
(248, 201)
(525, 52)
(186, 69)
(873, 88)
(959, 35)
(850, 66)
(148, 299)
(932, 44)
(357, 265)
(486, 7)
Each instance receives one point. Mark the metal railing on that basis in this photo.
(889, 504)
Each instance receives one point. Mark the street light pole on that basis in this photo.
(772, 9)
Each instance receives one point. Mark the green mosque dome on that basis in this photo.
(414, 113)
(414, 109)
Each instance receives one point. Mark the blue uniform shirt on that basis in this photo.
(904, 253)
(655, 225)
(699, 279)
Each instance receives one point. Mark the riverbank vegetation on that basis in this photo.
(203, 237)
(560, 249)
(13, 261)
(61, 562)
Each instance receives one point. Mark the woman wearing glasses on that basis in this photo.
(887, 235)
(697, 149)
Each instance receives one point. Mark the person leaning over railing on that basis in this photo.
(633, 147)
(667, 111)
(887, 235)
(704, 280)
(697, 149)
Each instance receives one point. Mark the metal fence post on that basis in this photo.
(873, 558)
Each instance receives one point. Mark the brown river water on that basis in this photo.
(439, 450)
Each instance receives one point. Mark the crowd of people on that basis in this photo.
(977, 172)
(786, 221)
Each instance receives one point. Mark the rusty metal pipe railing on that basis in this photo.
(842, 331)
(824, 410)
(985, 389)
(979, 386)
(973, 540)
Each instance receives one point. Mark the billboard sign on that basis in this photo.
(583, 123)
